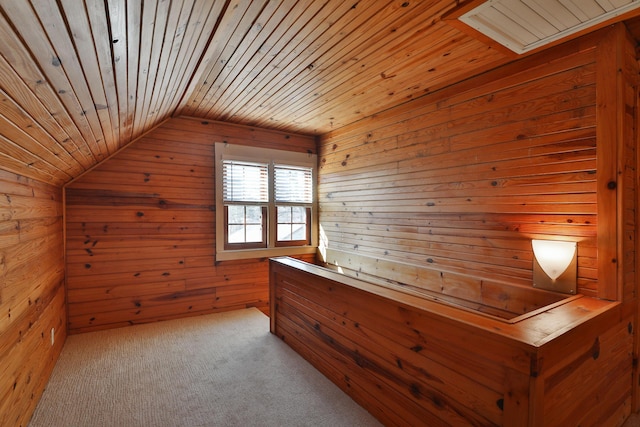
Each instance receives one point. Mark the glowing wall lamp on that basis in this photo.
(554, 265)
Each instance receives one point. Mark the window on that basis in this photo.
(293, 193)
(264, 202)
(245, 193)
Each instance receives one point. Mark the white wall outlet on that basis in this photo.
(53, 335)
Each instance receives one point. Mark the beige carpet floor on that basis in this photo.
(223, 369)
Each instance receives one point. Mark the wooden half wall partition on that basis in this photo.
(140, 230)
(416, 361)
(32, 297)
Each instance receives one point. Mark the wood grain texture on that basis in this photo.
(463, 180)
(425, 163)
(91, 76)
(459, 183)
(32, 296)
(416, 362)
(141, 230)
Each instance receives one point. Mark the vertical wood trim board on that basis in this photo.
(609, 95)
(32, 299)
(617, 80)
(141, 230)
(462, 180)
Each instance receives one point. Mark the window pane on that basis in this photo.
(299, 232)
(236, 234)
(292, 223)
(284, 214)
(236, 214)
(284, 232)
(245, 224)
(254, 233)
(254, 214)
(298, 214)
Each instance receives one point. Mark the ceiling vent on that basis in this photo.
(524, 25)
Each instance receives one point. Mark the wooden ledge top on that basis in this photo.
(547, 326)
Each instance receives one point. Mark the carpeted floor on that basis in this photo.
(223, 369)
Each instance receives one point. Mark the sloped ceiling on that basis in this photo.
(81, 78)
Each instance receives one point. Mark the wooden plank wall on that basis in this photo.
(32, 300)
(141, 230)
(463, 179)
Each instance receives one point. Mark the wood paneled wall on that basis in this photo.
(32, 300)
(141, 230)
(463, 179)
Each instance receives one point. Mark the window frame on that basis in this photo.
(282, 243)
(245, 245)
(226, 151)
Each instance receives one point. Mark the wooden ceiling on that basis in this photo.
(79, 79)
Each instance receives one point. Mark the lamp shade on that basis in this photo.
(553, 256)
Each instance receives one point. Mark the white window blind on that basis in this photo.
(293, 184)
(245, 181)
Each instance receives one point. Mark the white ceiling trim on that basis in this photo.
(524, 25)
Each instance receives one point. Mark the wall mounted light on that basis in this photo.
(554, 265)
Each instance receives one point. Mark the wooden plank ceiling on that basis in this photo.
(81, 78)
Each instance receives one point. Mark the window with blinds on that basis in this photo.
(264, 202)
(293, 188)
(245, 192)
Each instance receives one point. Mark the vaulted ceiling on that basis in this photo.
(81, 78)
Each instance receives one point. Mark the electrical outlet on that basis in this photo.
(53, 335)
